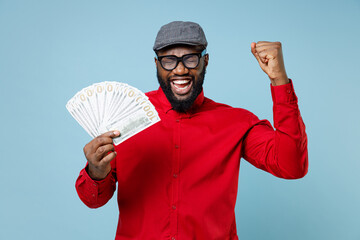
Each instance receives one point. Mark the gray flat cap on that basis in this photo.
(178, 32)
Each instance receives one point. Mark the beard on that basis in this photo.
(185, 104)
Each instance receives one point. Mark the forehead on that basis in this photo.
(179, 50)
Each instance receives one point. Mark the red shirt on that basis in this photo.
(178, 179)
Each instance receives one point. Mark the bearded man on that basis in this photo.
(178, 179)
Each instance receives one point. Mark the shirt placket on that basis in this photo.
(175, 175)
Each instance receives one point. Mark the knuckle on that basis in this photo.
(100, 140)
(86, 152)
(100, 150)
(87, 147)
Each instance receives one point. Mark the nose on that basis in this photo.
(180, 69)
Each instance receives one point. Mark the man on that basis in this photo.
(178, 179)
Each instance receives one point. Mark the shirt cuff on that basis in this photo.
(91, 191)
(283, 93)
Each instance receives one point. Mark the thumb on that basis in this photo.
(254, 52)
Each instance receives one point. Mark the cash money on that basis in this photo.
(107, 106)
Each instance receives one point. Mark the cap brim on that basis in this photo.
(176, 43)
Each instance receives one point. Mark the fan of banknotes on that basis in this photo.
(107, 106)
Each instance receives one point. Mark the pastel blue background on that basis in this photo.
(51, 49)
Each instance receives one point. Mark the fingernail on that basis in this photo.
(116, 132)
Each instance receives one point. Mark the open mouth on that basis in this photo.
(181, 86)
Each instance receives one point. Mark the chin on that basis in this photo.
(183, 97)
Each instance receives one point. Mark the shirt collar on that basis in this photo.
(166, 105)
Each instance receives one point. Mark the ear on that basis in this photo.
(206, 60)
(155, 60)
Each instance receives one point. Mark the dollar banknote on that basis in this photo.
(107, 106)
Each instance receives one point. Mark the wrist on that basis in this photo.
(96, 174)
(279, 80)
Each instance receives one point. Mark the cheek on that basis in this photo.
(196, 73)
(159, 70)
(164, 75)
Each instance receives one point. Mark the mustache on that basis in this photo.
(174, 77)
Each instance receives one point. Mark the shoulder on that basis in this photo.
(222, 110)
(210, 104)
(151, 94)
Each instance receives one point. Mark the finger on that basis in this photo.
(108, 158)
(99, 141)
(269, 48)
(111, 134)
(272, 46)
(261, 43)
(264, 48)
(103, 150)
(262, 61)
(105, 138)
(265, 56)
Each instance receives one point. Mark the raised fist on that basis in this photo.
(270, 58)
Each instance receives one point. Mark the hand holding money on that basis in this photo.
(99, 152)
(270, 58)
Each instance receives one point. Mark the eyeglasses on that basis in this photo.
(190, 61)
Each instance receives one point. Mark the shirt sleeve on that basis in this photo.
(281, 152)
(94, 193)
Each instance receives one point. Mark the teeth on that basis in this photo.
(181, 81)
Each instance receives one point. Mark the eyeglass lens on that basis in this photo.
(189, 61)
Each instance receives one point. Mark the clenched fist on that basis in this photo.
(270, 58)
(99, 153)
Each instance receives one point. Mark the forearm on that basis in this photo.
(290, 136)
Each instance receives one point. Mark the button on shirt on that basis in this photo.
(178, 178)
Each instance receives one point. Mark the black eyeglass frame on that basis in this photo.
(180, 59)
